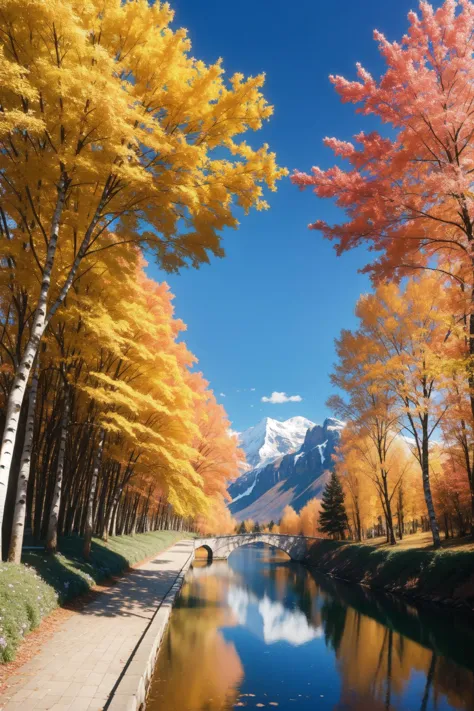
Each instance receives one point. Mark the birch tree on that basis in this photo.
(18, 527)
(144, 444)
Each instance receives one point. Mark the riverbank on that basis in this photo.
(444, 576)
(31, 591)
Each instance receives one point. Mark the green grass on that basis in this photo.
(30, 591)
(443, 576)
(25, 599)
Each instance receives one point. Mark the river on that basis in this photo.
(258, 631)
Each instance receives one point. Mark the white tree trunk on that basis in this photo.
(75, 265)
(18, 529)
(17, 394)
(40, 322)
(112, 522)
(52, 537)
(89, 529)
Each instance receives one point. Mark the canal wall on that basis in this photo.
(131, 690)
(444, 577)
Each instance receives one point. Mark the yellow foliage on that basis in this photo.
(290, 522)
(309, 518)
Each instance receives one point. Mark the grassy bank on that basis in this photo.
(30, 591)
(444, 576)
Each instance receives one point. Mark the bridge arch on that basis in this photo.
(205, 547)
(222, 546)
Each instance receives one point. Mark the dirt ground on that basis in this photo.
(425, 540)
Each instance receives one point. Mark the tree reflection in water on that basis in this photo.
(260, 629)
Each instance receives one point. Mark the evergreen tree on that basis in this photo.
(241, 528)
(271, 525)
(257, 528)
(333, 517)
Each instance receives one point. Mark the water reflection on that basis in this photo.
(270, 620)
(260, 632)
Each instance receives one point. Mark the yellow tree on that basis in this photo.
(309, 518)
(406, 329)
(361, 499)
(451, 493)
(290, 522)
(218, 456)
(458, 432)
(143, 394)
(458, 423)
(372, 420)
(109, 121)
(248, 525)
(116, 349)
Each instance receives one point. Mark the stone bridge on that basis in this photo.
(220, 547)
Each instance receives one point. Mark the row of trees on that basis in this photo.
(400, 370)
(407, 451)
(119, 434)
(407, 371)
(305, 523)
(113, 139)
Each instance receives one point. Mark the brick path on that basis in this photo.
(79, 666)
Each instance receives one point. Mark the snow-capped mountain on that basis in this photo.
(270, 439)
(289, 478)
(265, 442)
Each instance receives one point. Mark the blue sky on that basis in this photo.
(266, 316)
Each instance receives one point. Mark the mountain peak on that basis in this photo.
(332, 423)
(271, 438)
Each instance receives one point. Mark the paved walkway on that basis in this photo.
(77, 669)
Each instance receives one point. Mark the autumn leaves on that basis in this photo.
(407, 194)
(113, 139)
(397, 371)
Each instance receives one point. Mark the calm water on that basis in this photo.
(260, 632)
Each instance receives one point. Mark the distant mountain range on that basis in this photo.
(290, 463)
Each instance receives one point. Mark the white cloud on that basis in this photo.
(222, 394)
(252, 390)
(279, 398)
(233, 433)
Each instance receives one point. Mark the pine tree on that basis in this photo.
(333, 517)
